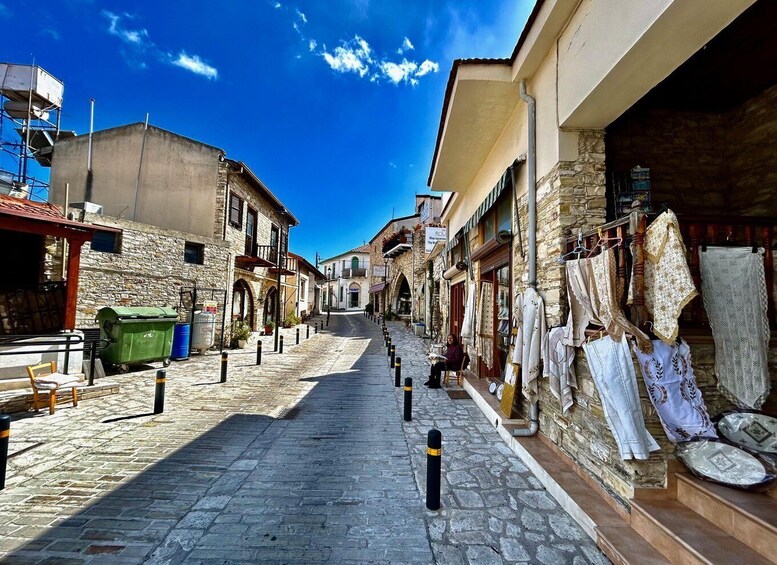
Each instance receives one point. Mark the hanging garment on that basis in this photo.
(734, 293)
(668, 282)
(485, 343)
(468, 324)
(613, 372)
(528, 343)
(607, 302)
(558, 366)
(580, 295)
(669, 380)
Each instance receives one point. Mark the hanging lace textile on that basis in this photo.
(468, 324)
(558, 366)
(670, 383)
(734, 293)
(607, 302)
(668, 282)
(485, 343)
(613, 372)
(530, 320)
(581, 298)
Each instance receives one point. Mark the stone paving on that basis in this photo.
(302, 459)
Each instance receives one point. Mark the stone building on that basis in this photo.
(306, 281)
(192, 217)
(537, 147)
(347, 283)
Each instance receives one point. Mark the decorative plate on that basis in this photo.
(500, 391)
(749, 428)
(729, 465)
(492, 387)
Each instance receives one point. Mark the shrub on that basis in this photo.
(370, 308)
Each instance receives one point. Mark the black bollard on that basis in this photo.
(280, 350)
(159, 393)
(92, 361)
(224, 357)
(398, 372)
(315, 328)
(393, 354)
(258, 351)
(408, 413)
(307, 331)
(5, 436)
(297, 343)
(388, 347)
(433, 465)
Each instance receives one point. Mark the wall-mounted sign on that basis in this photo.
(379, 270)
(434, 235)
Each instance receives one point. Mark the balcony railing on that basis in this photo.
(350, 272)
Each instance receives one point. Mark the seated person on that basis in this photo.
(453, 358)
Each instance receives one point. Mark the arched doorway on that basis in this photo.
(403, 296)
(270, 304)
(353, 295)
(242, 303)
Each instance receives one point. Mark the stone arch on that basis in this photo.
(242, 303)
(270, 304)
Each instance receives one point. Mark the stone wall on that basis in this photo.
(148, 270)
(702, 163)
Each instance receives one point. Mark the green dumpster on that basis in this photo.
(136, 335)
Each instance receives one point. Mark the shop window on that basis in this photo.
(235, 210)
(106, 242)
(503, 215)
(194, 253)
(498, 218)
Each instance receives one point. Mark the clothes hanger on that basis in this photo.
(578, 250)
(604, 241)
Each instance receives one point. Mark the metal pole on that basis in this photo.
(297, 340)
(398, 372)
(92, 361)
(224, 359)
(307, 331)
(315, 328)
(159, 393)
(433, 467)
(5, 435)
(259, 352)
(408, 408)
(280, 347)
(388, 347)
(393, 354)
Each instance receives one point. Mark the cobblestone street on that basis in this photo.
(302, 459)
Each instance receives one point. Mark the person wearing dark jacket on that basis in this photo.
(453, 358)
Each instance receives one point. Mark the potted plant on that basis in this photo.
(240, 334)
(269, 326)
(291, 321)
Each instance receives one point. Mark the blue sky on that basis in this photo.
(334, 104)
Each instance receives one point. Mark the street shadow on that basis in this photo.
(121, 418)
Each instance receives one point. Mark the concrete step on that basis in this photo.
(623, 546)
(685, 537)
(749, 517)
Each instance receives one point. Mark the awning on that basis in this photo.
(454, 241)
(506, 181)
(377, 287)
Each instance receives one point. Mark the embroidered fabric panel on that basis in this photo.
(485, 345)
(558, 366)
(734, 293)
(532, 321)
(670, 383)
(580, 296)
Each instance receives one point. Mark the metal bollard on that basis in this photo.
(280, 350)
(433, 465)
(315, 328)
(398, 372)
(307, 331)
(159, 393)
(258, 351)
(224, 357)
(5, 436)
(297, 343)
(408, 412)
(393, 353)
(92, 361)
(388, 347)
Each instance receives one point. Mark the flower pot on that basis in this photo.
(241, 343)
(268, 330)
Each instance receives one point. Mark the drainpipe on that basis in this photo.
(534, 409)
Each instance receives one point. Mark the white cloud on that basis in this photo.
(406, 46)
(352, 56)
(135, 37)
(277, 6)
(427, 67)
(196, 65)
(398, 72)
(301, 16)
(312, 44)
(52, 33)
(392, 165)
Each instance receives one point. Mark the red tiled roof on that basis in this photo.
(28, 208)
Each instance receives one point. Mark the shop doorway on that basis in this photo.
(270, 305)
(242, 303)
(353, 295)
(457, 310)
(403, 297)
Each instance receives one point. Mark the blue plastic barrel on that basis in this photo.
(181, 337)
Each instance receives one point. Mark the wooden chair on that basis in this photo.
(459, 373)
(52, 383)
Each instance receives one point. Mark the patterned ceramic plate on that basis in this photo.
(500, 391)
(749, 428)
(492, 387)
(725, 464)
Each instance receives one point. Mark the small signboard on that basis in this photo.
(434, 235)
(210, 306)
(379, 270)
